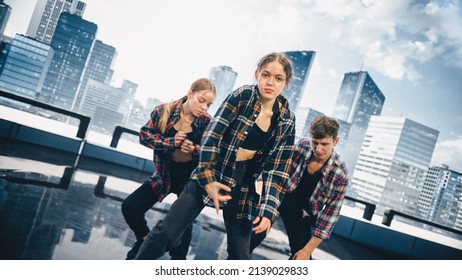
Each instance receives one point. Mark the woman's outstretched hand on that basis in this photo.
(219, 193)
(261, 225)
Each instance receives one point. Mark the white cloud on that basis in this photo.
(449, 152)
(393, 36)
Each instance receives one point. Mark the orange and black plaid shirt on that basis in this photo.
(224, 135)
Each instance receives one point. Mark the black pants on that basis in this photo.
(297, 227)
(166, 234)
(238, 232)
(142, 199)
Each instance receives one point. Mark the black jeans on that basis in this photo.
(142, 199)
(297, 227)
(238, 231)
(166, 234)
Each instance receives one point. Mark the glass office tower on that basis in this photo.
(5, 11)
(223, 77)
(72, 41)
(98, 68)
(24, 65)
(301, 65)
(440, 201)
(393, 163)
(46, 15)
(359, 98)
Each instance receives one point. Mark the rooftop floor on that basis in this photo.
(56, 206)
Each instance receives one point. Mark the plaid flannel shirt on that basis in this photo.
(327, 198)
(225, 134)
(163, 146)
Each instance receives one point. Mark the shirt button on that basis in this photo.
(245, 133)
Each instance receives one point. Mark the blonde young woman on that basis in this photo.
(251, 135)
(174, 132)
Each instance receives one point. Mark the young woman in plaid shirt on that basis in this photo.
(174, 132)
(251, 136)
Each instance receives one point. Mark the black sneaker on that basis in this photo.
(134, 250)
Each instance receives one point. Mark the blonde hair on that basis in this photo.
(198, 85)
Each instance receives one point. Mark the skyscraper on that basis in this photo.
(440, 200)
(393, 163)
(127, 103)
(24, 66)
(223, 77)
(301, 122)
(102, 102)
(72, 42)
(98, 68)
(302, 126)
(359, 98)
(46, 14)
(5, 11)
(301, 64)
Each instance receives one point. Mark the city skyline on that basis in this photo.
(412, 50)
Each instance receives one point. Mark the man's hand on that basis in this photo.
(213, 190)
(302, 255)
(262, 224)
(307, 250)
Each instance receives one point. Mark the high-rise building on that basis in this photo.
(101, 102)
(46, 15)
(301, 66)
(223, 77)
(301, 122)
(72, 42)
(23, 66)
(5, 11)
(98, 68)
(458, 224)
(304, 124)
(140, 114)
(393, 164)
(359, 98)
(127, 104)
(440, 200)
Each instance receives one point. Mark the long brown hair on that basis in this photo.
(198, 85)
(281, 58)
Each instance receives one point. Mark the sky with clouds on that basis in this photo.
(411, 48)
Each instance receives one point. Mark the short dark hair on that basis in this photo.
(324, 126)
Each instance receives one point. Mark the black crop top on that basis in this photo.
(256, 137)
(172, 131)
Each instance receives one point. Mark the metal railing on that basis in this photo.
(118, 131)
(84, 120)
(388, 216)
(368, 211)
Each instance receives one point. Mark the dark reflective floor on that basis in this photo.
(55, 206)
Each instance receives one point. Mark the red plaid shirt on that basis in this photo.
(163, 146)
(327, 198)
